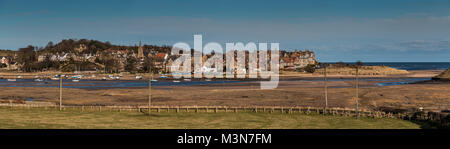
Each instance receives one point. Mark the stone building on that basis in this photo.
(140, 51)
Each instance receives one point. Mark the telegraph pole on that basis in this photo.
(149, 93)
(60, 92)
(357, 83)
(326, 86)
(149, 85)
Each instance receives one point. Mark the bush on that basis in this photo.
(310, 68)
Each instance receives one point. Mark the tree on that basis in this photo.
(26, 57)
(359, 63)
(149, 65)
(130, 65)
(311, 68)
(49, 45)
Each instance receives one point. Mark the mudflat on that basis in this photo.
(291, 91)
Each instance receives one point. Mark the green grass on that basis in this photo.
(53, 119)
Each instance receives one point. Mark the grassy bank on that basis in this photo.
(40, 118)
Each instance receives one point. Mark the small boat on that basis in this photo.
(176, 81)
(36, 77)
(154, 80)
(139, 77)
(117, 78)
(104, 79)
(163, 77)
(38, 80)
(208, 80)
(55, 77)
(75, 80)
(19, 77)
(187, 80)
(77, 77)
(12, 80)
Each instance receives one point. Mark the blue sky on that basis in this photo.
(344, 30)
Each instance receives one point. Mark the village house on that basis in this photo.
(4, 60)
(297, 60)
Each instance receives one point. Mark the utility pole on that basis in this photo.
(326, 86)
(60, 92)
(149, 93)
(357, 83)
(149, 85)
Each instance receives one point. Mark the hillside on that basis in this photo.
(93, 46)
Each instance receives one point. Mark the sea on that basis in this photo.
(410, 65)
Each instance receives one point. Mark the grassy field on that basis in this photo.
(52, 119)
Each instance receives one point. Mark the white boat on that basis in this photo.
(187, 80)
(104, 79)
(36, 77)
(19, 77)
(75, 80)
(77, 77)
(38, 80)
(11, 79)
(54, 78)
(138, 77)
(176, 81)
(154, 80)
(208, 80)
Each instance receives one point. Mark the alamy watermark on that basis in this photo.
(241, 61)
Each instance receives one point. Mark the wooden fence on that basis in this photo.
(436, 117)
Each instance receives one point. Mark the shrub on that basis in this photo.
(311, 68)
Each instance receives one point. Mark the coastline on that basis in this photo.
(283, 75)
